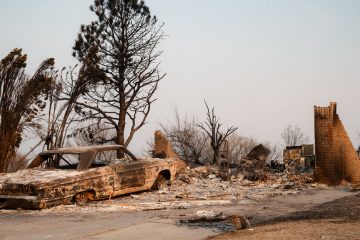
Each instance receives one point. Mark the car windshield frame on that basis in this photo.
(87, 155)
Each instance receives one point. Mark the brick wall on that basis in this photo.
(336, 158)
(163, 148)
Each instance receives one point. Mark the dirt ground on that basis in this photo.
(337, 219)
(310, 229)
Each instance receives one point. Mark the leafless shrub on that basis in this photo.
(275, 152)
(293, 136)
(148, 149)
(239, 147)
(187, 139)
(93, 135)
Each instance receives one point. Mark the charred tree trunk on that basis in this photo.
(60, 139)
(121, 127)
(216, 156)
(212, 129)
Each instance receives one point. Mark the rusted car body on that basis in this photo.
(53, 178)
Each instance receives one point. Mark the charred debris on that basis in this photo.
(254, 168)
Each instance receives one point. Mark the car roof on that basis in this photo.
(79, 150)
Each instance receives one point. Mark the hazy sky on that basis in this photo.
(262, 64)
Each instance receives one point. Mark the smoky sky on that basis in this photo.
(262, 64)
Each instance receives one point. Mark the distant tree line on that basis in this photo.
(193, 140)
(202, 143)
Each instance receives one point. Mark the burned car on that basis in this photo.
(80, 174)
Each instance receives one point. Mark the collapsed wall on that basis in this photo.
(163, 148)
(336, 158)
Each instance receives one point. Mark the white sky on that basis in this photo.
(262, 64)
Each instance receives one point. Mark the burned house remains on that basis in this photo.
(299, 156)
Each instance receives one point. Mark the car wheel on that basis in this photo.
(161, 183)
(81, 199)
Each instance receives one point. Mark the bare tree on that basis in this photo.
(293, 136)
(239, 147)
(72, 84)
(187, 139)
(20, 101)
(87, 78)
(212, 128)
(126, 37)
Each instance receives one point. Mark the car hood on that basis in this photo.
(34, 176)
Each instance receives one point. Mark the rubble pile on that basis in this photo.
(204, 184)
(300, 178)
(253, 170)
(253, 165)
(200, 187)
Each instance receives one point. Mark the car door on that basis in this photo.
(129, 175)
